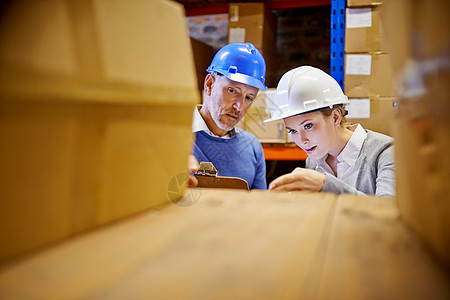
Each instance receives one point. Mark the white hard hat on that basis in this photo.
(302, 90)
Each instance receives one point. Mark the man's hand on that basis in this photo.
(299, 180)
(193, 166)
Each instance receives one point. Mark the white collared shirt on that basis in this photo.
(348, 160)
(199, 124)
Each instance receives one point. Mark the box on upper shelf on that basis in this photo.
(256, 24)
(359, 3)
(373, 113)
(271, 132)
(364, 31)
(203, 55)
(368, 75)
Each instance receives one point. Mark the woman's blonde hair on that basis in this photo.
(327, 112)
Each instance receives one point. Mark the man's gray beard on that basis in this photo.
(220, 124)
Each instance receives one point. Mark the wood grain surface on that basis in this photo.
(232, 244)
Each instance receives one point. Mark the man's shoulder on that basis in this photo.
(243, 134)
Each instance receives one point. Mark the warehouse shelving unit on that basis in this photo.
(337, 47)
(284, 153)
(337, 43)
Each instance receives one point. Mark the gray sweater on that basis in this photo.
(376, 175)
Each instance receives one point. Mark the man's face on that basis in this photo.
(228, 101)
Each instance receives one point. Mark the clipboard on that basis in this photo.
(207, 178)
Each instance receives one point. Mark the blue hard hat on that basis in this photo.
(241, 62)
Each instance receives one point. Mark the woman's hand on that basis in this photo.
(299, 180)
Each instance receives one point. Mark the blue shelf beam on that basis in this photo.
(337, 42)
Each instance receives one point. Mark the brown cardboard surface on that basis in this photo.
(418, 43)
(259, 24)
(381, 115)
(88, 104)
(423, 165)
(367, 39)
(69, 168)
(416, 31)
(271, 132)
(356, 3)
(203, 55)
(422, 169)
(380, 82)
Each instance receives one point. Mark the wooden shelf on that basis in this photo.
(225, 244)
(284, 153)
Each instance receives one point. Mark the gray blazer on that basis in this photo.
(376, 175)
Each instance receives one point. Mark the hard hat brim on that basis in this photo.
(300, 112)
(241, 78)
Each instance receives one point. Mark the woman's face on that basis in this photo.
(313, 132)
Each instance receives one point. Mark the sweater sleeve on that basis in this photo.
(337, 186)
(385, 183)
(332, 184)
(260, 175)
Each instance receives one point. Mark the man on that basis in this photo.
(236, 74)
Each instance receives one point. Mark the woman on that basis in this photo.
(341, 158)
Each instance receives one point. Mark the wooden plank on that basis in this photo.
(373, 255)
(232, 244)
(228, 244)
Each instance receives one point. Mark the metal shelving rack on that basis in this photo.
(337, 30)
(337, 41)
(337, 51)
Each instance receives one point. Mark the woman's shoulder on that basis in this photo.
(377, 138)
(377, 143)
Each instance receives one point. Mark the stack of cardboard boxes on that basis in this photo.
(368, 81)
(203, 55)
(419, 43)
(95, 115)
(254, 23)
(272, 132)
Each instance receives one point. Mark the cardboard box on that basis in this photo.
(368, 75)
(364, 30)
(254, 23)
(416, 31)
(376, 114)
(271, 132)
(418, 43)
(95, 121)
(203, 55)
(359, 3)
(423, 172)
